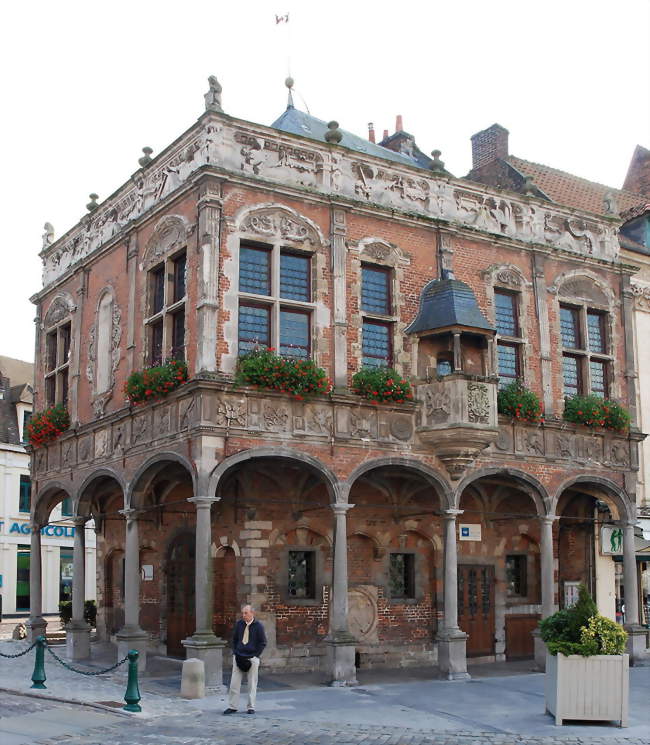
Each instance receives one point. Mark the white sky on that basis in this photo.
(87, 84)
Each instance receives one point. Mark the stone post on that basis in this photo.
(131, 636)
(36, 624)
(341, 644)
(452, 642)
(548, 584)
(77, 637)
(203, 644)
(637, 635)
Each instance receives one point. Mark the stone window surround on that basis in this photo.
(381, 254)
(604, 304)
(282, 580)
(275, 302)
(419, 590)
(510, 278)
(167, 312)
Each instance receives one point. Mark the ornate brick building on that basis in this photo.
(366, 534)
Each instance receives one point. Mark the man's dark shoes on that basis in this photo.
(230, 711)
(251, 711)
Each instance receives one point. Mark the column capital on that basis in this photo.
(548, 519)
(203, 501)
(79, 521)
(451, 514)
(340, 508)
(130, 513)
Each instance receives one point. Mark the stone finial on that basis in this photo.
(529, 187)
(213, 96)
(146, 158)
(610, 204)
(438, 166)
(92, 205)
(333, 134)
(48, 235)
(289, 83)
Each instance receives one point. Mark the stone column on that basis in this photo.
(637, 635)
(36, 624)
(341, 644)
(458, 357)
(547, 572)
(131, 636)
(77, 637)
(203, 644)
(209, 207)
(452, 642)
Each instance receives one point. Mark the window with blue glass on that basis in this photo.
(377, 332)
(255, 270)
(294, 277)
(165, 324)
(376, 348)
(294, 333)
(509, 342)
(254, 327)
(25, 495)
(585, 361)
(375, 290)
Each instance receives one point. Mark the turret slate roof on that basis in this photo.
(445, 303)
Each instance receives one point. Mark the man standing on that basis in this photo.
(248, 643)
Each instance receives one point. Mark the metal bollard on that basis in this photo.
(132, 695)
(38, 676)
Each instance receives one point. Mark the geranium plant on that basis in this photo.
(45, 426)
(262, 367)
(155, 382)
(381, 384)
(593, 411)
(581, 630)
(520, 403)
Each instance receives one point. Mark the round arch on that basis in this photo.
(617, 494)
(442, 488)
(84, 496)
(295, 455)
(535, 489)
(152, 466)
(47, 499)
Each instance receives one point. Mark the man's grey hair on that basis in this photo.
(247, 605)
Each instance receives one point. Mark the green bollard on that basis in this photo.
(132, 695)
(38, 676)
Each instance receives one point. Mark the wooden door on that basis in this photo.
(476, 607)
(180, 594)
(519, 636)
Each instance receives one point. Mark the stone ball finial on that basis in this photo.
(213, 96)
(289, 82)
(333, 134)
(92, 205)
(438, 166)
(146, 158)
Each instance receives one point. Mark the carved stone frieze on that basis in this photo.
(119, 437)
(68, 455)
(363, 425)
(478, 403)
(85, 448)
(280, 224)
(61, 307)
(40, 460)
(533, 442)
(140, 432)
(230, 414)
(619, 453)
(565, 446)
(437, 403)
(401, 427)
(101, 443)
(275, 417)
(641, 294)
(319, 420)
(187, 413)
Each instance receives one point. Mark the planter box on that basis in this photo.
(593, 688)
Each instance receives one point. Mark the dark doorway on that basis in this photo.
(180, 593)
(476, 607)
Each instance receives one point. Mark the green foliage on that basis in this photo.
(580, 630)
(152, 383)
(300, 377)
(46, 426)
(520, 403)
(381, 384)
(596, 412)
(90, 612)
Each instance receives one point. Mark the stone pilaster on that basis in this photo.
(341, 644)
(77, 637)
(541, 307)
(204, 644)
(36, 624)
(209, 206)
(132, 273)
(339, 253)
(628, 339)
(452, 642)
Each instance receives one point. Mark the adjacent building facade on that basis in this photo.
(16, 404)
(366, 534)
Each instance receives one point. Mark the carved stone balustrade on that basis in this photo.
(458, 418)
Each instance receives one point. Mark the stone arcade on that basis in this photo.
(367, 535)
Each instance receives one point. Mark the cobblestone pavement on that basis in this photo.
(213, 729)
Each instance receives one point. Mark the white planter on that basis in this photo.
(592, 688)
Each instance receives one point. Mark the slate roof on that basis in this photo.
(298, 122)
(448, 302)
(20, 391)
(18, 371)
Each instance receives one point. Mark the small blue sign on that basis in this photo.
(464, 532)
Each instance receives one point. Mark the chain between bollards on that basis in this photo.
(132, 695)
(38, 676)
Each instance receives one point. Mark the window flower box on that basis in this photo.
(593, 411)
(519, 403)
(45, 426)
(381, 384)
(154, 383)
(297, 376)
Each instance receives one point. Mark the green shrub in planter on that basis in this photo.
(381, 384)
(90, 612)
(593, 411)
(520, 403)
(153, 383)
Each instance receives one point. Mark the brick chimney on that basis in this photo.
(638, 174)
(488, 145)
(399, 127)
(371, 131)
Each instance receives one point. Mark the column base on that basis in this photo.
(36, 626)
(452, 654)
(209, 649)
(340, 659)
(130, 638)
(637, 646)
(77, 640)
(540, 651)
